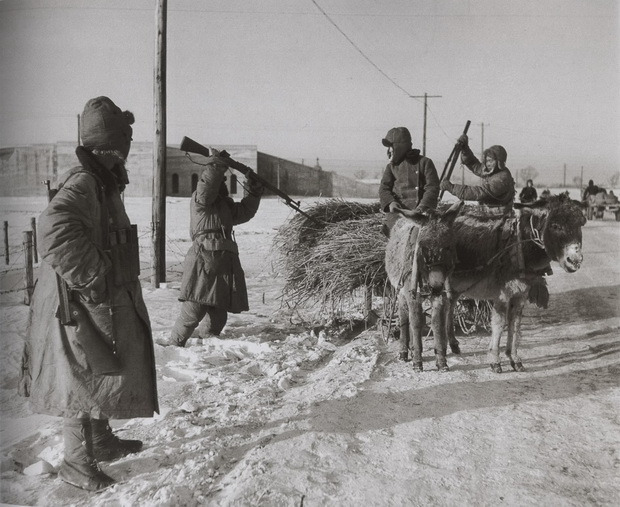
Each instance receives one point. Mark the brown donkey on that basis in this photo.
(504, 258)
(421, 252)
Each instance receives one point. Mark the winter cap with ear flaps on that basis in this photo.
(397, 135)
(496, 152)
(104, 125)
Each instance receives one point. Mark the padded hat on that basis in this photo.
(397, 135)
(496, 152)
(104, 126)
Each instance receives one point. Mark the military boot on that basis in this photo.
(79, 468)
(107, 446)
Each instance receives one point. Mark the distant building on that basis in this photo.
(23, 168)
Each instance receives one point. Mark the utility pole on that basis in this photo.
(425, 97)
(564, 184)
(158, 231)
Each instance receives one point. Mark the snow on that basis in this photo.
(277, 412)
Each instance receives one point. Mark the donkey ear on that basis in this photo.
(450, 215)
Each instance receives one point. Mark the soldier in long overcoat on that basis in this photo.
(213, 282)
(102, 365)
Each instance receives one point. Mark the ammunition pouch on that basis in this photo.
(125, 255)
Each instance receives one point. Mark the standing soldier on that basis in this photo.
(86, 241)
(213, 282)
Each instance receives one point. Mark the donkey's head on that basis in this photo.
(561, 231)
(436, 245)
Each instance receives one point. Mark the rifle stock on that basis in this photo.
(191, 146)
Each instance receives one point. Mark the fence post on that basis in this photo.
(33, 226)
(6, 242)
(29, 270)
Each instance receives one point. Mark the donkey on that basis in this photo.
(421, 251)
(504, 258)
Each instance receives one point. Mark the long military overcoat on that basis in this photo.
(58, 374)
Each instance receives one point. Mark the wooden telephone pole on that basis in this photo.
(158, 226)
(425, 97)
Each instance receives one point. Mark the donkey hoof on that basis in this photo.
(518, 366)
(454, 347)
(496, 367)
(417, 366)
(443, 367)
(403, 356)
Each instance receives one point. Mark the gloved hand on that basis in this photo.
(393, 207)
(463, 139)
(446, 185)
(424, 210)
(95, 292)
(255, 187)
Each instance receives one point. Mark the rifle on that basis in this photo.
(63, 313)
(100, 357)
(456, 152)
(191, 146)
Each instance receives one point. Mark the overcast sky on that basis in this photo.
(542, 75)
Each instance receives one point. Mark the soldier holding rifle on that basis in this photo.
(213, 282)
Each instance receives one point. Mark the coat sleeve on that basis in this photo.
(471, 162)
(244, 210)
(66, 236)
(208, 186)
(497, 188)
(386, 196)
(431, 186)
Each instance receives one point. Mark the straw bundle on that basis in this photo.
(324, 264)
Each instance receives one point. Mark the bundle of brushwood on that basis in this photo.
(325, 264)
(328, 256)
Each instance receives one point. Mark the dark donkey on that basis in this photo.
(504, 258)
(421, 251)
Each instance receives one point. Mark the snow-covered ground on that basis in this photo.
(278, 413)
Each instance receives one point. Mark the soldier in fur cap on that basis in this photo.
(86, 240)
(497, 187)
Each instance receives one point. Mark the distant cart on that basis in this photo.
(596, 210)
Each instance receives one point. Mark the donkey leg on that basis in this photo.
(498, 320)
(403, 319)
(417, 324)
(449, 325)
(437, 325)
(515, 315)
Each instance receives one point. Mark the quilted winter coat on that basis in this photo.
(212, 272)
(58, 374)
(495, 189)
(412, 183)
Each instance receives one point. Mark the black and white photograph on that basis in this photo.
(310, 253)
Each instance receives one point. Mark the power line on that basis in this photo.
(359, 50)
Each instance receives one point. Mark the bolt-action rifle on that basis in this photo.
(451, 162)
(191, 146)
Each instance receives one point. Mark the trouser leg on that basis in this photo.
(188, 320)
(213, 322)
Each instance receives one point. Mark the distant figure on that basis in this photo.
(409, 181)
(591, 189)
(528, 195)
(497, 187)
(611, 198)
(546, 193)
